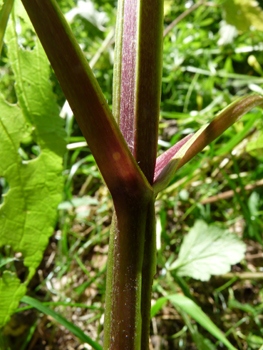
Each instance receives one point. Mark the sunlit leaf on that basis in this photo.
(28, 212)
(11, 291)
(208, 250)
(243, 14)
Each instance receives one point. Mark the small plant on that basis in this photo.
(124, 144)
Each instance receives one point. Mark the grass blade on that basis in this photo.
(192, 309)
(60, 319)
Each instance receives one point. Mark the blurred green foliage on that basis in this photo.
(206, 64)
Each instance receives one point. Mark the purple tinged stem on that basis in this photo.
(118, 167)
(128, 73)
(166, 165)
(165, 158)
(221, 122)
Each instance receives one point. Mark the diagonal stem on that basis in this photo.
(86, 99)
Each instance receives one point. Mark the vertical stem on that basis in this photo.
(136, 102)
(148, 84)
(137, 78)
(128, 72)
(123, 322)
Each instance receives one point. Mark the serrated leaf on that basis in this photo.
(28, 213)
(34, 92)
(208, 250)
(243, 14)
(11, 291)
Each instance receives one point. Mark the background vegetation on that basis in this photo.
(206, 63)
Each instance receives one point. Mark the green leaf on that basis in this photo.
(255, 144)
(34, 92)
(192, 309)
(208, 250)
(235, 140)
(233, 303)
(254, 341)
(28, 213)
(60, 319)
(157, 306)
(199, 316)
(11, 291)
(165, 174)
(243, 14)
(201, 342)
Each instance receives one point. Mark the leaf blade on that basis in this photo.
(208, 250)
(192, 309)
(60, 319)
(28, 212)
(243, 14)
(11, 291)
(199, 316)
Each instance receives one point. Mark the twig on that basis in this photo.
(106, 43)
(253, 256)
(230, 193)
(182, 16)
(243, 275)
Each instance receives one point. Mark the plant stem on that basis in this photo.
(137, 78)
(136, 104)
(86, 99)
(123, 319)
(148, 84)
